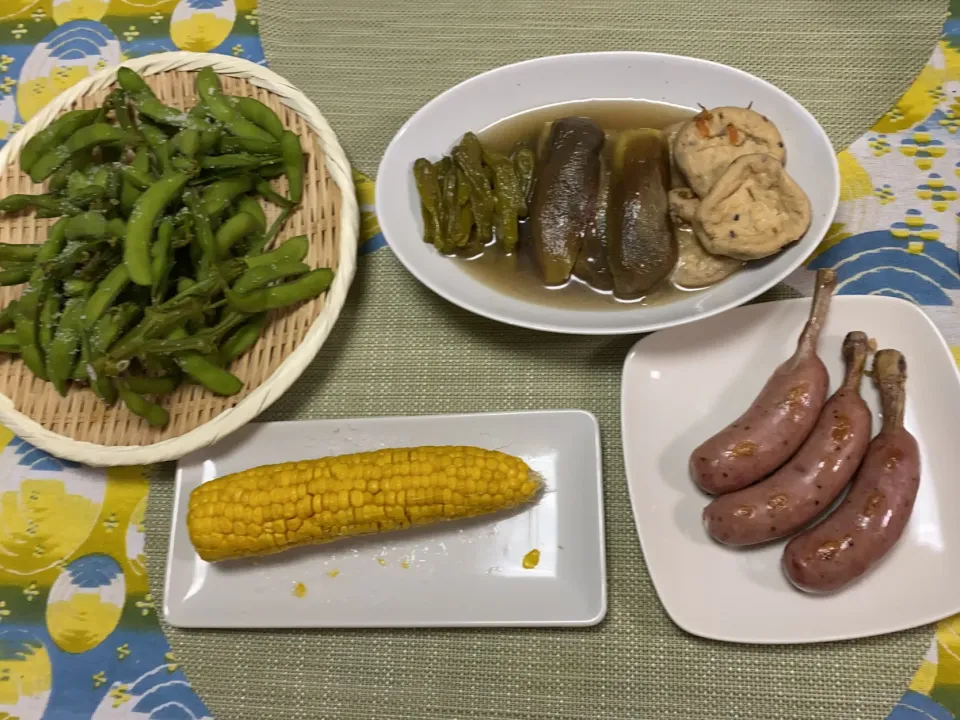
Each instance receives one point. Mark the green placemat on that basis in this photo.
(370, 65)
(398, 349)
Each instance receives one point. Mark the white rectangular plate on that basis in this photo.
(454, 574)
(680, 386)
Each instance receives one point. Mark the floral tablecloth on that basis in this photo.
(79, 636)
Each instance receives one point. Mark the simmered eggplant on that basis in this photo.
(592, 265)
(567, 184)
(640, 244)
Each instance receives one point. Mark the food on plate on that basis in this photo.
(684, 205)
(563, 201)
(276, 507)
(781, 417)
(695, 268)
(531, 559)
(713, 139)
(157, 271)
(753, 211)
(874, 514)
(565, 205)
(813, 478)
(677, 180)
(593, 266)
(640, 244)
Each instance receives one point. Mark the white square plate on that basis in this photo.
(453, 574)
(682, 385)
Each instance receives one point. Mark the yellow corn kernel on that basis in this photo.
(271, 508)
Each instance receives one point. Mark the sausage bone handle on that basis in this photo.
(826, 283)
(856, 349)
(890, 375)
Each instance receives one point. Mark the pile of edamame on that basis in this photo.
(157, 271)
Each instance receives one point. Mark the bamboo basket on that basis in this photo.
(80, 427)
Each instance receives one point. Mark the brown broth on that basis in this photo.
(517, 275)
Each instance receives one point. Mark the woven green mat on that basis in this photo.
(399, 350)
(369, 65)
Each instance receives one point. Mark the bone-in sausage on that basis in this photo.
(813, 478)
(780, 418)
(872, 517)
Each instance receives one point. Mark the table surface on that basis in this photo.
(398, 349)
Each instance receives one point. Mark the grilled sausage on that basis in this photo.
(780, 418)
(814, 477)
(875, 512)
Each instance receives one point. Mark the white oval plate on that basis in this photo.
(483, 100)
(740, 595)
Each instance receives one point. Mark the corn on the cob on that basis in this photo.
(275, 507)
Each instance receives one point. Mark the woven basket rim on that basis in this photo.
(296, 362)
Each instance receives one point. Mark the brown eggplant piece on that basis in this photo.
(568, 180)
(592, 266)
(640, 244)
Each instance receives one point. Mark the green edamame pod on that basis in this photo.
(187, 142)
(231, 231)
(233, 161)
(88, 196)
(268, 193)
(258, 113)
(272, 298)
(243, 339)
(8, 316)
(247, 204)
(107, 291)
(271, 170)
(16, 274)
(117, 101)
(9, 343)
(218, 196)
(50, 203)
(293, 250)
(111, 326)
(293, 164)
(136, 246)
(12, 252)
(102, 386)
(48, 163)
(77, 286)
(139, 405)
(161, 258)
(152, 385)
(146, 102)
(49, 317)
(98, 134)
(185, 284)
(128, 191)
(53, 135)
(255, 146)
(138, 179)
(28, 315)
(159, 145)
(258, 277)
(262, 240)
(205, 372)
(61, 357)
(168, 346)
(210, 94)
(90, 224)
